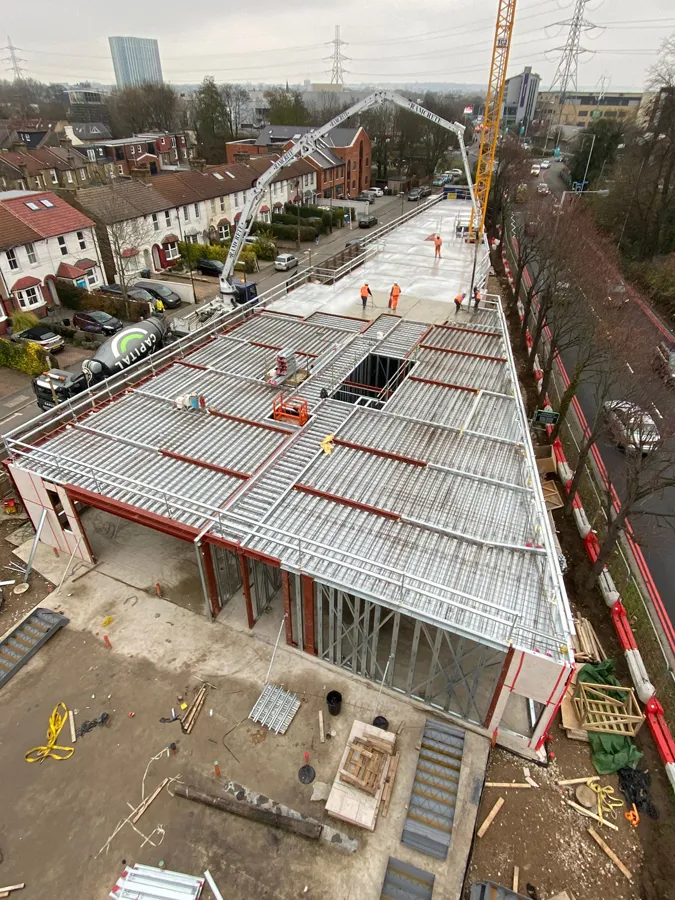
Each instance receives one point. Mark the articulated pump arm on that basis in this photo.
(312, 141)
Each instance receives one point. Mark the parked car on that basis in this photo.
(210, 267)
(169, 298)
(415, 194)
(285, 261)
(632, 428)
(367, 221)
(425, 191)
(134, 292)
(440, 180)
(454, 173)
(96, 321)
(42, 335)
(377, 191)
(545, 163)
(536, 169)
(543, 188)
(355, 242)
(664, 362)
(363, 196)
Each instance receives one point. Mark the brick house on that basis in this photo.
(45, 168)
(42, 239)
(141, 154)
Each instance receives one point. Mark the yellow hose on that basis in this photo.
(56, 722)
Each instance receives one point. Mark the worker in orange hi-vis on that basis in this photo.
(365, 291)
(438, 243)
(394, 294)
(458, 302)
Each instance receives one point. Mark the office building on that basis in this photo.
(520, 99)
(579, 107)
(135, 60)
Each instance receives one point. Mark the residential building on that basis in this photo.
(342, 165)
(42, 239)
(581, 107)
(33, 133)
(85, 105)
(83, 132)
(44, 169)
(140, 154)
(135, 61)
(520, 99)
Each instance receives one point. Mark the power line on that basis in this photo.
(337, 75)
(13, 60)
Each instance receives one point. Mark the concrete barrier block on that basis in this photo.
(565, 474)
(581, 520)
(608, 588)
(643, 686)
(670, 772)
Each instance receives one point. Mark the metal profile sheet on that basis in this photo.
(225, 393)
(473, 455)
(335, 372)
(143, 478)
(191, 432)
(288, 332)
(494, 416)
(275, 708)
(479, 510)
(467, 371)
(492, 594)
(466, 341)
(235, 357)
(400, 342)
(344, 323)
(403, 881)
(433, 799)
(149, 883)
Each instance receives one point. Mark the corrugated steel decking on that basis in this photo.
(431, 808)
(405, 882)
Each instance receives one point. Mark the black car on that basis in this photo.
(135, 293)
(367, 221)
(210, 267)
(415, 194)
(169, 298)
(96, 321)
(364, 197)
(425, 191)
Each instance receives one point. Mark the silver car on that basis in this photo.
(42, 335)
(285, 261)
(632, 428)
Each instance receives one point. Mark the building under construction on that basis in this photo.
(369, 481)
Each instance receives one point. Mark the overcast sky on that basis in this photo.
(387, 40)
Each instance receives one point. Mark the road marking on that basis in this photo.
(629, 368)
(10, 404)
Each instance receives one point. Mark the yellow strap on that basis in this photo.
(607, 802)
(56, 722)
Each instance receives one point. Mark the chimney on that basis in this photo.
(140, 175)
(19, 147)
(65, 142)
(198, 164)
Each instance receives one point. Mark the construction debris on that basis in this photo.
(583, 780)
(304, 827)
(508, 784)
(607, 709)
(6, 891)
(489, 819)
(587, 647)
(591, 815)
(610, 853)
(187, 723)
(147, 882)
(214, 888)
(366, 762)
(389, 784)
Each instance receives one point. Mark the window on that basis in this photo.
(218, 176)
(120, 170)
(583, 112)
(132, 150)
(224, 232)
(186, 213)
(32, 205)
(236, 199)
(155, 221)
(190, 238)
(28, 298)
(12, 260)
(196, 210)
(83, 174)
(69, 176)
(91, 154)
(22, 184)
(167, 218)
(213, 207)
(55, 177)
(622, 114)
(47, 203)
(62, 245)
(171, 250)
(38, 182)
(119, 153)
(353, 184)
(222, 204)
(81, 240)
(92, 277)
(31, 254)
(306, 180)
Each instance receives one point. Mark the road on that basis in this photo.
(654, 535)
(16, 401)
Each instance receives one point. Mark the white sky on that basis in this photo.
(387, 40)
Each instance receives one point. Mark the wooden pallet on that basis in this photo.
(608, 709)
(366, 764)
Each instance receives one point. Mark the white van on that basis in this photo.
(536, 169)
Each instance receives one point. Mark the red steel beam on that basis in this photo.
(377, 452)
(268, 425)
(277, 347)
(288, 610)
(203, 463)
(499, 686)
(444, 384)
(246, 586)
(501, 359)
(494, 334)
(189, 365)
(211, 582)
(345, 501)
(308, 610)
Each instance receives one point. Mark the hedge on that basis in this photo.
(79, 300)
(333, 216)
(28, 358)
(290, 232)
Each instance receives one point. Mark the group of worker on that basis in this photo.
(459, 300)
(394, 294)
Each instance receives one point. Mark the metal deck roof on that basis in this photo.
(430, 501)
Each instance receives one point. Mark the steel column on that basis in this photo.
(212, 585)
(288, 612)
(308, 609)
(246, 585)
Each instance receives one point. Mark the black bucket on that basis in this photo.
(381, 722)
(334, 701)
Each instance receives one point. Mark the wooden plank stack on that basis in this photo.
(587, 647)
(367, 759)
(187, 723)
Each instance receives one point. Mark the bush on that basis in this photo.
(247, 260)
(72, 296)
(28, 358)
(192, 252)
(21, 321)
(290, 232)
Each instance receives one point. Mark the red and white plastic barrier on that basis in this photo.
(643, 686)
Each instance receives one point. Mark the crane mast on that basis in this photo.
(493, 110)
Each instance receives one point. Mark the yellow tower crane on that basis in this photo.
(493, 110)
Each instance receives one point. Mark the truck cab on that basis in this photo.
(57, 385)
(241, 292)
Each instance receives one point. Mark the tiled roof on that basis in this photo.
(122, 200)
(25, 282)
(85, 264)
(56, 158)
(65, 270)
(170, 239)
(22, 162)
(20, 224)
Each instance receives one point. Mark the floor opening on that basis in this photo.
(375, 379)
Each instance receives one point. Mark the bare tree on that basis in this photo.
(235, 101)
